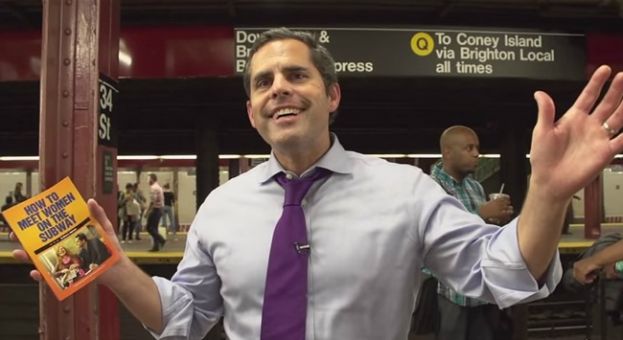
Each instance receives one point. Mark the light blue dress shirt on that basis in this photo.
(371, 225)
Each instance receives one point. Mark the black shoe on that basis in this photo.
(163, 242)
(153, 250)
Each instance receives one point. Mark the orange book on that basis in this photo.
(67, 246)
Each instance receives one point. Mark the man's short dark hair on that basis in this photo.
(81, 237)
(320, 56)
(153, 177)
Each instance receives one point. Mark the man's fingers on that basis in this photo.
(36, 275)
(617, 144)
(99, 214)
(20, 255)
(546, 109)
(586, 100)
(610, 102)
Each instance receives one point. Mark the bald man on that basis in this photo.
(462, 317)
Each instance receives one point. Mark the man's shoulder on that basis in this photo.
(243, 181)
(384, 171)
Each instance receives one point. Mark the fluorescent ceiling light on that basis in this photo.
(228, 156)
(137, 157)
(19, 158)
(388, 155)
(424, 155)
(177, 157)
(256, 156)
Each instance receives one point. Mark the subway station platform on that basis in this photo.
(562, 316)
(137, 250)
(172, 252)
(574, 242)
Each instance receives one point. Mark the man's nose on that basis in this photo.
(281, 87)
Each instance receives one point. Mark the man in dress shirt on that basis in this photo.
(371, 224)
(154, 212)
(462, 317)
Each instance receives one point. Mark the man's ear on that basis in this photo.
(250, 113)
(335, 95)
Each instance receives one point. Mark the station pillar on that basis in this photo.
(593, 208)
(79, 65)
(207, 159)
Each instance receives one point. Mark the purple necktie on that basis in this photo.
(285, 296)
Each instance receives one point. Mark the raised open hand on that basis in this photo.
(567, 154)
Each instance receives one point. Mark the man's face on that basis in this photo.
(463, 153)
(289, 105)
(81, 242)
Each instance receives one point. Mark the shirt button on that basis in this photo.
(289, 176)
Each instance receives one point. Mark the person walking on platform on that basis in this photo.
(140, 198)
(18, 196)
(168, 215)
(154, 212)
(323, 243)
(462, 317)
(131, 212)
(8, 202)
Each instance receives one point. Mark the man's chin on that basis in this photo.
(285, 140)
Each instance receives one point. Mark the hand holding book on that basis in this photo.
(61, 237)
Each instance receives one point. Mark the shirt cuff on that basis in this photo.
(176, 304)
(507, 275)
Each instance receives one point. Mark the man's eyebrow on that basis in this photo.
(260, 75)
(294, 68)
(285, 69)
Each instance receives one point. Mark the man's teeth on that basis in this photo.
(287, 111)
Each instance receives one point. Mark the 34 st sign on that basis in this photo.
(108, 96)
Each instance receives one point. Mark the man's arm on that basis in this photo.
(565, 156)
(152, 198)
(539, 229)
(585, 270)
(135, 289)
(138, 292)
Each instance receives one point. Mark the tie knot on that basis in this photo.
(296, 189)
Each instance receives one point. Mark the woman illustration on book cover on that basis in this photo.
(68, 268)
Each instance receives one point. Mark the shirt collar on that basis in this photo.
(336, 160)
(439, 172)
